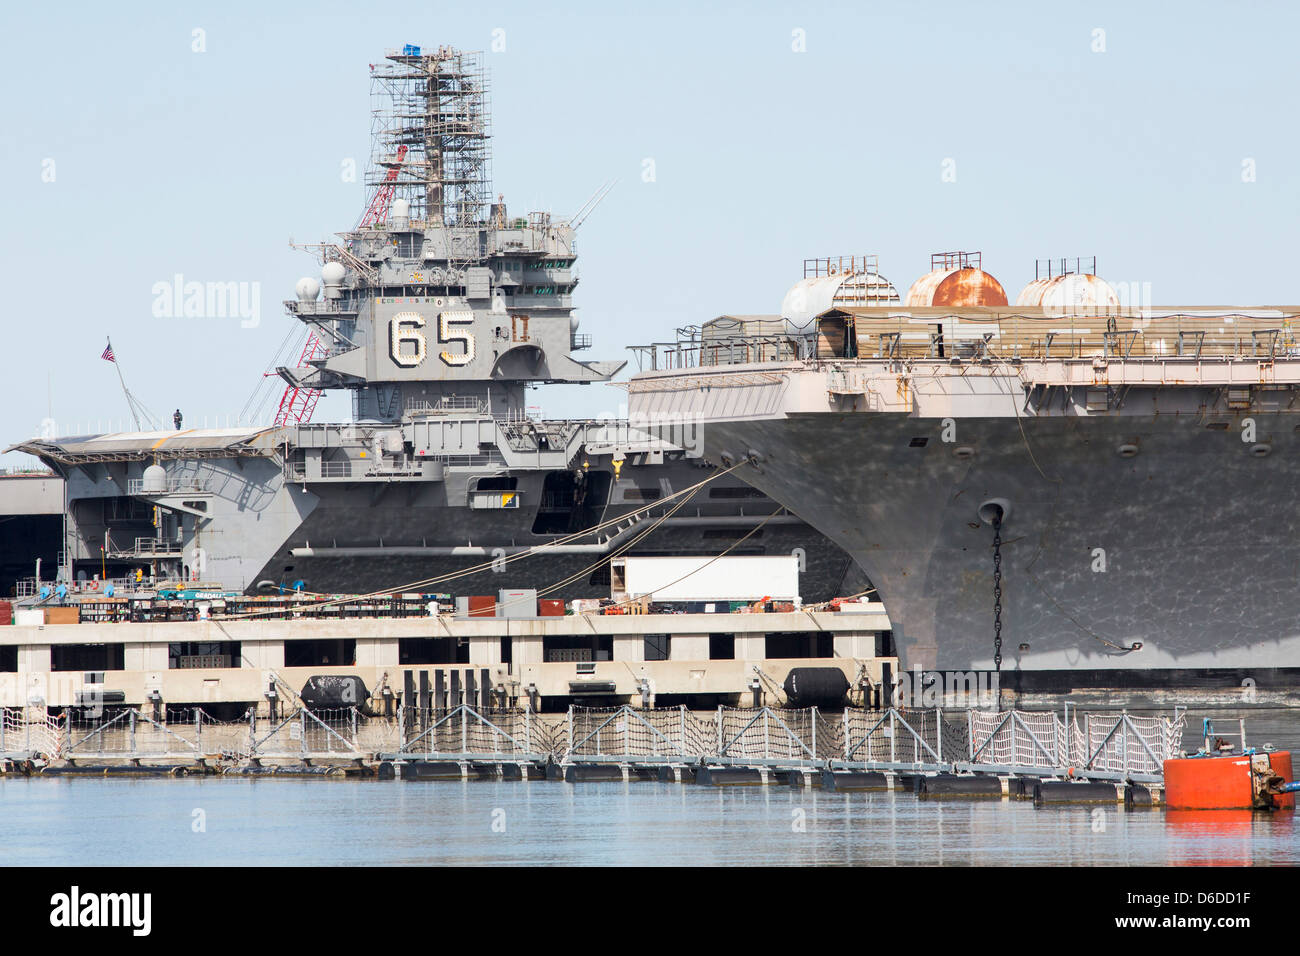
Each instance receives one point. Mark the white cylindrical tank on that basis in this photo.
(1032, 294)
(1076, 293)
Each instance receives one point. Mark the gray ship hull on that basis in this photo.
(1199, 564)
(352, 543)
(244, 522)
(1149, 545)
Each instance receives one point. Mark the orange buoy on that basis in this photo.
(1229, 782)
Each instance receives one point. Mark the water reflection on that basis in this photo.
(130, 822)
(1230, 837)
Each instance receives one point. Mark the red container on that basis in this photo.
(550, 607)
(1224, 783)
(6, 613)
(482, 606)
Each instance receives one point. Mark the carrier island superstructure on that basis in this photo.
(1101, 494)
(436, 312)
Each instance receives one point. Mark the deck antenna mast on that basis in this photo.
(590, 205)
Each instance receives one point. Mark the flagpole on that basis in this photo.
(125, 391)
(130, 399)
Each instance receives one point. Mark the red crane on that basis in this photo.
(378, 208)
(298, 403)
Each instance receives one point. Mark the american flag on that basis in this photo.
(108, 353)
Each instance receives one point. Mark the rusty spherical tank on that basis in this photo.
(1071, 294)
(956, 288)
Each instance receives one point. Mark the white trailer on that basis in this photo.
(743, 578)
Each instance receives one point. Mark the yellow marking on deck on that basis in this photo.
(159, 442)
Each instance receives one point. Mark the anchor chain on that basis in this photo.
(997, 590)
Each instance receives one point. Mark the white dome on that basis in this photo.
(154, 480)
(307, 289)
(333, 273)
(573, 323)
(401, 209)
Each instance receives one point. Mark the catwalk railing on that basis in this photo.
(1110, 745)
(1099, 745)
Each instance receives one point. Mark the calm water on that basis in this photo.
(128, 822)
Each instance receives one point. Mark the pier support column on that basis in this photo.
(629, 647)
(34, 658)
(377, 652)
(751, 647)
(262, 654)
(690, 647)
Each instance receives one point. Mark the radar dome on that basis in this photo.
(154, 480)
(332, 274)
(573, 323)
(307, 289)
(399, 215)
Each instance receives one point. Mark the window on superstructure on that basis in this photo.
(330, 652)
(188, 655)
(658, 647)
(86, 657)
(736, 492)
(798, 644)
(432, 650)
(641, 494)
(722, 647)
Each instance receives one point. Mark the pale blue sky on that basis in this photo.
(205, 164)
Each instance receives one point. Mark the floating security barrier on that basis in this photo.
(429, 770)
(801, 779)
(1022, 788)
(846, 780)
(580, 772)
(676, 775)
(116, 770)
(1136, 797)
(1053, 792)
(287, 770)
(729, 777)
(954, 785)
(1241, 781)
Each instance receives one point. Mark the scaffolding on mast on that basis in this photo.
(436, 107)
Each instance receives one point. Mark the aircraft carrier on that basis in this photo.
(1071, 490)
(436, 313)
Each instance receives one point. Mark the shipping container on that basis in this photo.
(739, 579)
(63, 615)
(482, 605)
